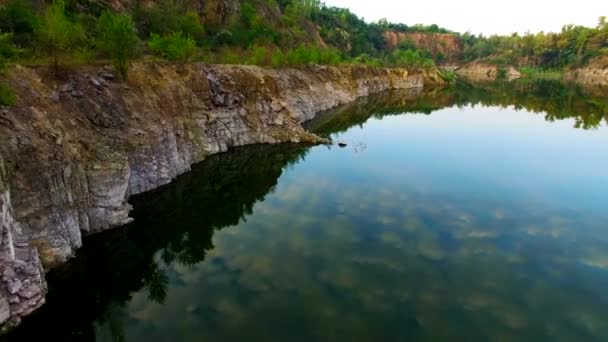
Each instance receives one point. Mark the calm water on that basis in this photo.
(472, 214)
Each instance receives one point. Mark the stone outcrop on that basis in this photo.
(478, 72)
(484, 72)
(446, 44)
(595, 74)
(74, 150)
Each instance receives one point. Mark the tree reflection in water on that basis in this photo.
(176, 224)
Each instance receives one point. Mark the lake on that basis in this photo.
(476, 213)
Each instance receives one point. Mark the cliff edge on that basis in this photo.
(74, 150)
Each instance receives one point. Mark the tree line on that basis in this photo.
(571, 47)
(264, 32)
(61, 32)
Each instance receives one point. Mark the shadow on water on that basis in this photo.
(176, 224)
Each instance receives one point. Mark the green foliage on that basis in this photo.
(278, 58)
(384, 24)
(7, 49)
(368, 60)
(57, 34)
(174, 46)
(226, 56)
(407, 55)
(67, 30)
(89, 24)
(304, 8)
(448, 75)
(160, 19)
(305, 54)
(545, 73)
(341, 28)
(190, 25)
(118, 38)
(259, 55)
(251, 29)
(168, 17)
(573, 46)
(18, 17)
(7, 97)
(272, 56)
(502, 73)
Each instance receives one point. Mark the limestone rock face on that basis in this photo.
(69, 163)
(22, 285)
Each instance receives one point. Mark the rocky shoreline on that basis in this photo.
(74, 150)
(591, 76)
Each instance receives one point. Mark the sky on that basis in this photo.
(482, 16)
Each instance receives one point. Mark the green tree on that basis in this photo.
(173, 47)
(18, 18)
(7, 49)
(118, 38)
(7, 97)
(57, 33)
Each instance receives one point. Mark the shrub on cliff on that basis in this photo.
(259, 55)
(7, 98)
(174, 47)
(368, 60)
(118, 38)
(409, 58)
(168, 17)
(57, 34)
(306, 53)
(7, 49)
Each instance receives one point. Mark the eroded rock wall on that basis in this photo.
(74, 150)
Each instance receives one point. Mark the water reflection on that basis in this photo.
(173, 226)
(553, 99)
(469, 224)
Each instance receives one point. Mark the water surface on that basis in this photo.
(471, 214)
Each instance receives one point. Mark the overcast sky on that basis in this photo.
(479, 16)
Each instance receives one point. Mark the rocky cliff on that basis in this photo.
(445, 44)
(74, 150)
(23, 284)
(595, 74)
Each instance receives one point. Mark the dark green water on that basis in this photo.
(472, 214)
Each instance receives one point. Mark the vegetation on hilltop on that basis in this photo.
(572, 47)
(265, 32)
